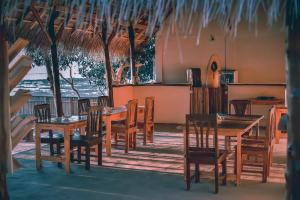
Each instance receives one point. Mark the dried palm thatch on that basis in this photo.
(80, 21)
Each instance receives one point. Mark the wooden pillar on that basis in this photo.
(132, 54)
(55, 65)
(293, 92)
(5, 139)
(108, 69)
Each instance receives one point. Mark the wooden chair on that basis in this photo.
(260, 148)
(103, 101)
(148, 123)
(240, 106)
(93, 137)
(83, 105)
(128, 126)
(42, 113)
(202, 150)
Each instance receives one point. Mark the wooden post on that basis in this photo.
(5, 139)
(105, 45)
(132, 54)
(55, 65)
(293, 96)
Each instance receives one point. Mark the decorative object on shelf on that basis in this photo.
(212, 71)
(228, 76)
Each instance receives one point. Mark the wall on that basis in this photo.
(171, 105)
(257, 53)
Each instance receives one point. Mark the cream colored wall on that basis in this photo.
(171, 105)
(122, 95)
(258, 54)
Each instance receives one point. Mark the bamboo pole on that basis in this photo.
(132, 54)
(5, 139)
(293, 91)
(105, 45)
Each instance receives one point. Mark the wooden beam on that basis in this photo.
(18, 101)
(16, 48)
(5, 139)
(18, 71)
(40, 22)
(293, 97)
(132, 55)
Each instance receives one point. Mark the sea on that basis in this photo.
(41, 88)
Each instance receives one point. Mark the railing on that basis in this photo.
(70, 106)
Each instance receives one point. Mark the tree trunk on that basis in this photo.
(132, 54)
(108, 69)
(55, 65)
(5, 139)
(293, 91)
(57, 93)
(49, 71)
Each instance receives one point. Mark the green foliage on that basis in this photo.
(94, 70)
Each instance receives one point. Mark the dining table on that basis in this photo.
(236, 126)
(67, 125)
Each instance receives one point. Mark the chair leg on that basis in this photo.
(216, 178)
(126, 142)
(265, 166)
(188, 176)
(79, 153)
(197, 173)
(51, 148)
(134, 140)
(87, 157)
(58, 153)
(224, 172)
(116, 138)
(235, 163)
(145, 135)
(100, 151)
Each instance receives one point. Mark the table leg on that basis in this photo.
(277, 132)
(67, 133)
(238, 160)
(108, 135)
(38, 148)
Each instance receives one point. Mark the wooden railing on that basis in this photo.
(69, 105)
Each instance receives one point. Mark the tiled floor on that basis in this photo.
(154, 166)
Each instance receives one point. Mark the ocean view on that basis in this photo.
(41, 87)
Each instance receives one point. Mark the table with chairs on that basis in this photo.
(84, 132)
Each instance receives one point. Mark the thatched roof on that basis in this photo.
(87, 16)
(74, 27)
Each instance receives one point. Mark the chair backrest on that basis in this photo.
(42, 112)
(94, 121)
(132, 113)
(102, 101)
(203, 125)
(149, 110)
(241, 106)
(271, 127)
(83, 105)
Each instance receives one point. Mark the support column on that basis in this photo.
(132, 54)
(5, 138)
(55, 65)
(293, 92)
(108, 69)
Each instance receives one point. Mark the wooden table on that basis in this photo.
(266, 102)
(236, 126)
(61, 124)
(67, 126)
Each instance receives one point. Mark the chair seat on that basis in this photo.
(206, 155)
(57, 137)
(84, 140)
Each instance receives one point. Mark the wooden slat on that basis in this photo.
(19, 70)
(18, 100)
(16, 48)
(53, 158)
